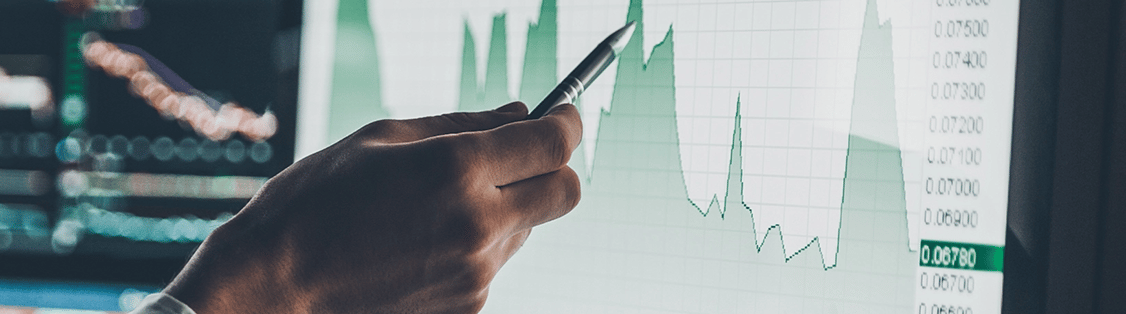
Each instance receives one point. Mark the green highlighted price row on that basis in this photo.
(956, 255)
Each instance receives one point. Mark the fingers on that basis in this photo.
(543, 198)
(525, 149)
(402, 131)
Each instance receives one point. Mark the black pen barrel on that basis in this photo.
(577, 81)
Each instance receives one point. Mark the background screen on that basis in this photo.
(740, 157)
(129, 133)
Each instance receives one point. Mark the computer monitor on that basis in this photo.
(740, 157)
(128, 131)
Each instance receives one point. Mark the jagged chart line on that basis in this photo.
(640, 236)
(539, 72)
(735, 166)
(873, 33)
(644, 99)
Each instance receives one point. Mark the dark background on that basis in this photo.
(1066, 245)
(244, 50)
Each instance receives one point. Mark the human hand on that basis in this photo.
(403, 216)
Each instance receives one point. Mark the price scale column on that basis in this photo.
(965, 179)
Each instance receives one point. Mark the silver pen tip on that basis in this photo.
(620, 38)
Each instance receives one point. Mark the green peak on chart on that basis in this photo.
(357, 89)
(539, 71)
(637, 152)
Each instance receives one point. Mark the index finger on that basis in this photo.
(525, 149)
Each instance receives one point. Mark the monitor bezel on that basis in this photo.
(1031, 156)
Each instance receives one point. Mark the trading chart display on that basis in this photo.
(843, 156)
(131, 129)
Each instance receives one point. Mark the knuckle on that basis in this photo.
(573, 187)
(379, 127)
(573, 117)
(461, 120)
(558, 149)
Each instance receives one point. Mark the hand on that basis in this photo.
(403, 216)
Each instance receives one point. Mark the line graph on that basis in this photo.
(539, 70)
(637, 171)
(747, 156)
(164, 90)
(644, 100)
(638, 150)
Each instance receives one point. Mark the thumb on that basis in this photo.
(401, 131)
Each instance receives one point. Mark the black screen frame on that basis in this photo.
(1068, 174)
(1033, 144)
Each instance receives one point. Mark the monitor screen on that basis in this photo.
(846, 156)
(740, 157)
(128, 131)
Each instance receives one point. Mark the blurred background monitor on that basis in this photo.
(128, 131)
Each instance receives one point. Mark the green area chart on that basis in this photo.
(637, 167)
(637, 156)
(637, 170)
(637, 152)
(539, 72)
(637, 178)
(357, 93)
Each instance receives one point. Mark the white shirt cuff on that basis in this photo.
(160, 303)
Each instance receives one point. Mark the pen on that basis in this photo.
(585, 73)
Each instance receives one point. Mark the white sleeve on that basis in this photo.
(160, 303)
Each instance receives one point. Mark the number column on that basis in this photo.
(968, 135)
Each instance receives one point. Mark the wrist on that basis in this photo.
(230, 273)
